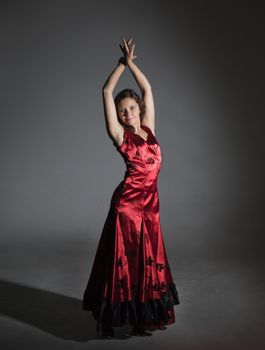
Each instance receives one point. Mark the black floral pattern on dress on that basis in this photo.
(120, 262)
(121, 284)
(160, 267)
(149, 260)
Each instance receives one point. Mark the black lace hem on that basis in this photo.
(152, 312)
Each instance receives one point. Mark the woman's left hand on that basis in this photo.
(128, 50)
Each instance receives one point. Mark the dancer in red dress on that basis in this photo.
(130, 280)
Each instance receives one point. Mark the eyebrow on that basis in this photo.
(128, 106)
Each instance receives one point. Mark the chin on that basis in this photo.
(129, 122)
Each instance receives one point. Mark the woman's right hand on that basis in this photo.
(128, 50)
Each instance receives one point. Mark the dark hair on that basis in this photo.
(132, 94)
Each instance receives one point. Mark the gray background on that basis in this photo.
(205, 62)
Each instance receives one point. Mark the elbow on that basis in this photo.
(106, 90)
(146, 87)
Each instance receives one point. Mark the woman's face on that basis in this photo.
(128, 111)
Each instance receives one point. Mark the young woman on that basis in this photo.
(130, 280)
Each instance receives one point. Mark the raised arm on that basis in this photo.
(148, 117)
(114, 128)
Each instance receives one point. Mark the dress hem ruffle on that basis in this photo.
(153, 312)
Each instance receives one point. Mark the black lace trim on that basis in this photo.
(153, 311)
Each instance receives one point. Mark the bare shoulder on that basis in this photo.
(150, 125)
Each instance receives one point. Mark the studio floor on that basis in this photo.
(42, 280)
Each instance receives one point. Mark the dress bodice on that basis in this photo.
(142, 157)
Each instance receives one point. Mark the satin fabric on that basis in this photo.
(131, 261)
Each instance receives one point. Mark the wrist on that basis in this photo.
(129, 62)
(122, 61)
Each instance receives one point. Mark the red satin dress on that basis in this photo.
(130, 280)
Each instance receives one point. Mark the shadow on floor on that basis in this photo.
(59, 315)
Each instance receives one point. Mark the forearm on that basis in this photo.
(140, 78)
(113, 78)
